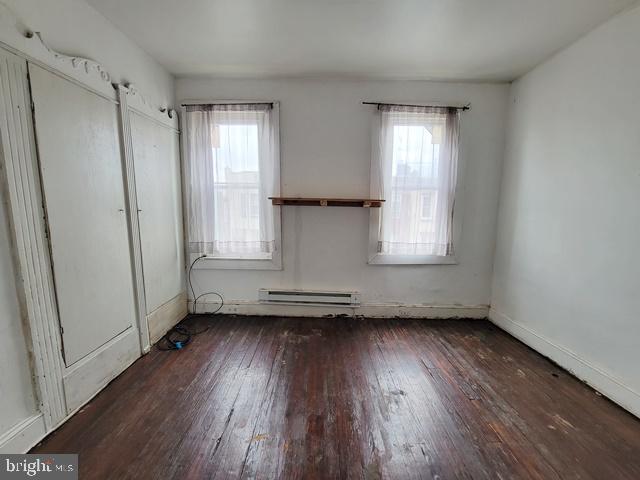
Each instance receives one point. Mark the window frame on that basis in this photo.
(243, 263)
(377, 258)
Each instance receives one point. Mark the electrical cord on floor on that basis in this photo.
(175, 339)
(180, 335)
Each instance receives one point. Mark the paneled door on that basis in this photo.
(157, 168)
(81, 167)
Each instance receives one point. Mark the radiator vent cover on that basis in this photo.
(309, 297)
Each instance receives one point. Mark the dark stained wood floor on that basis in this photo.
(347, 398)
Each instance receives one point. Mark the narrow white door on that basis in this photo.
(82, 180)
(157, 171)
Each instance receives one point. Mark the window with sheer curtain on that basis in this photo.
(414, 166)
(231, 168)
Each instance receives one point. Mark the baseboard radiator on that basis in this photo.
(309, 297)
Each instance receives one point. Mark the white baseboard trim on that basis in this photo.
(29, 432)
(81, 405)
(24, 435)
(163, 318)
(595, 377)
(98, 369)
(375, 310)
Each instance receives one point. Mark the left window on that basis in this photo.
(232, 167)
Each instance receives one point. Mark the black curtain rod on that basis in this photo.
(379, 104)
(227, 103)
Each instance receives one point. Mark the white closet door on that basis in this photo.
(157, 171)
(82, 180)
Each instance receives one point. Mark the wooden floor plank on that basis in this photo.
(262, 397)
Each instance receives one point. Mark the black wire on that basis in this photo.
(204, 295)
(180, 336)
(175, 339)
(193, 293)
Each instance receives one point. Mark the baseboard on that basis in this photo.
(24, 435)
(28, 433)
(595, 377)
(375, 310)
(94, 372)
(163, 318)
(80, 405)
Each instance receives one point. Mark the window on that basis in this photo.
(231, 168)
(426, 206)
(414, 169)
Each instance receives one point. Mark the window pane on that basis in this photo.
(426, 208)
(231, 169)
(414, 153)
(237, 185)
(418, 169)
(414, 173)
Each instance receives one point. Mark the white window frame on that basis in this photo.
(239, 263)
(377, 258)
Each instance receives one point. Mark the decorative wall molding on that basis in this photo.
(90, 67)
(30, 45)
(86, 72)
(21, 175)
(140, 104)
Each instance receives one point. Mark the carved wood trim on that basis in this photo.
(139, 103)
(31, 46)
(87, 65)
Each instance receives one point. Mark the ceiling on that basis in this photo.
(485, 40)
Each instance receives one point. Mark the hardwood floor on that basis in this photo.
(349, 398)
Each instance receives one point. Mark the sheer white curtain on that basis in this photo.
(415, 165)
(231, 168)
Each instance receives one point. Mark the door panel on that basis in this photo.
(82, 180)
(157, 171)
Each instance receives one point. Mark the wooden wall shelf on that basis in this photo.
(328, 202)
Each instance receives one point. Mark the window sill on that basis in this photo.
(382, 259)
(221, 263)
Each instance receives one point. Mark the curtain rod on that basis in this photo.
(190, 104)
(379, 104)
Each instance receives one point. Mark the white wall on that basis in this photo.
(325, 151)
(567, 270)
(73, 27)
